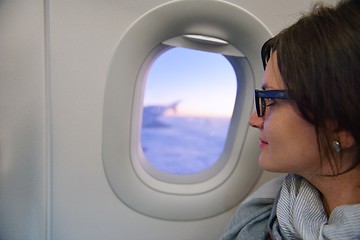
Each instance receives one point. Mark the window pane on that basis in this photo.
(188, 102)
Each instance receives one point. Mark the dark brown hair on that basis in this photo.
(319, 61)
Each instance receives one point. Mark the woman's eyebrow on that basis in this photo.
(265, 86)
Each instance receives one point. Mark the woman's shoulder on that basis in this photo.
(268, 190)
(251, 217)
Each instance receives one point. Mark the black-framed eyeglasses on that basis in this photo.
(261, 95)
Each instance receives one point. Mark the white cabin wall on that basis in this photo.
(23, 161)
(84, 35)
(278, 14)
(51, 120)
(84, 206)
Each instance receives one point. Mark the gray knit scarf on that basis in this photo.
(293, 212)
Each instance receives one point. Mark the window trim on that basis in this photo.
(172, 201)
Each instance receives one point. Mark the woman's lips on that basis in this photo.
(263, 143)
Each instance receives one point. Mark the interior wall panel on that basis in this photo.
(23, 162)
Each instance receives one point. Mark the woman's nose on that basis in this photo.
(255, 121)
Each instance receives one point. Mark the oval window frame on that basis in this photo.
(133, 186)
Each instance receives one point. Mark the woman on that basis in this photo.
(308, 116)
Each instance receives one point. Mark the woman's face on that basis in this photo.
(288, 142)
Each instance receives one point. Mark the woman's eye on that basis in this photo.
(270, 102)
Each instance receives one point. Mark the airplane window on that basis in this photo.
(176, 104)
(189, 98)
